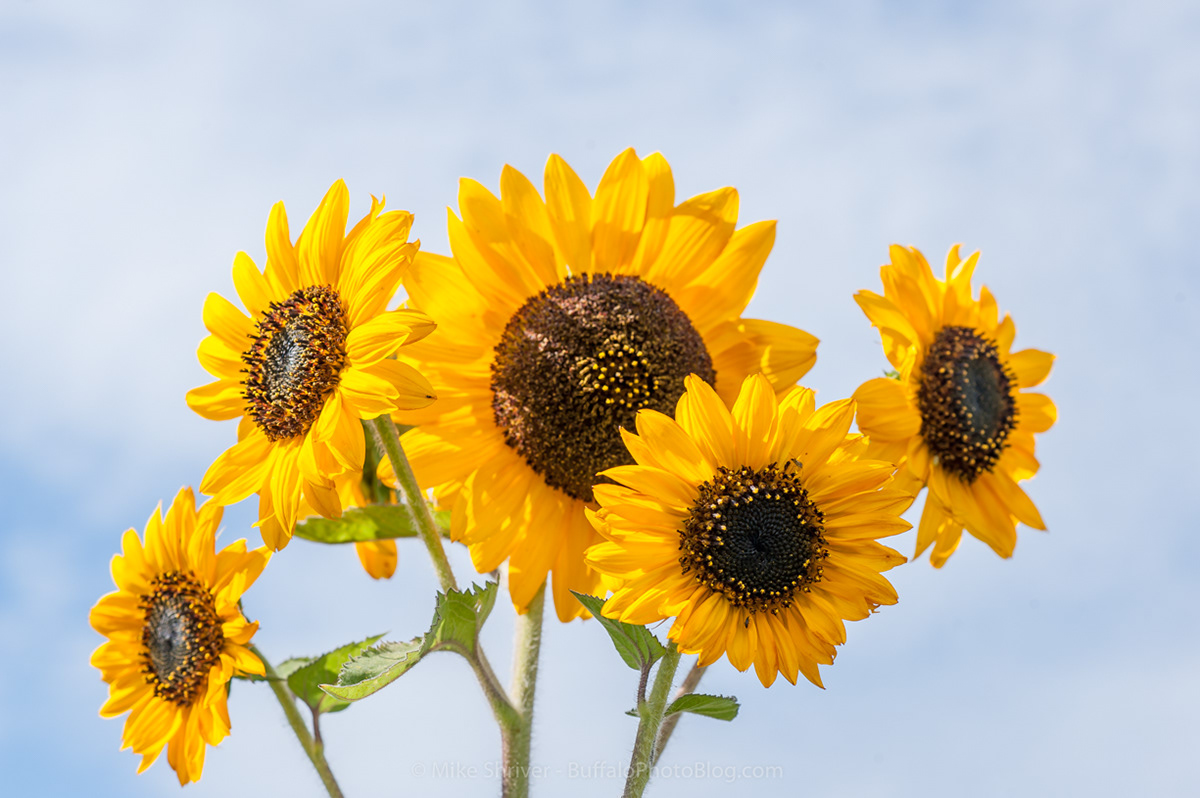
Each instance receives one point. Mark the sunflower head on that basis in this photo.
(754, 526)
(176, 635)
(957, 416)
(312, 356)
(561, 315)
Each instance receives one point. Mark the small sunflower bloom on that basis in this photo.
(310, 359)
(176, 635)
(559, 318)
(958, 416)
(755, 527)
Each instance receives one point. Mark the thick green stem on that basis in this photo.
(314, 748)
(527, 646)
(414, 498)
(650, 713)
(690, 683)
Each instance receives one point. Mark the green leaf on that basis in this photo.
(357, 524)
(375, 669)
(457, 619)
(710, 706)
(372, 522)
(636, 645)
(892, 374)
(306, 679)
(459, 616)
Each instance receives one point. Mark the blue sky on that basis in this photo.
(142, 146)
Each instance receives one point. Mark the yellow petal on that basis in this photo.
(1031, 366)
(381, 336)
(217, 401)
(619, 212)
(320, 243)
(885, 410)
(225, 321)
(570, 209)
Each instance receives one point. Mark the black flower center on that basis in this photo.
(181, 637)
(578, 361)
(755, 537)
(294, 363)
(966, 400)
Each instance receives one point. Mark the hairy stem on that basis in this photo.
(314, 748)
(650, 713)
(690, 683)
(408, 491)
(414, 499)
(527, 646)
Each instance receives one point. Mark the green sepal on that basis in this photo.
(710, 706)
(457, 619)
(892, 374)
(305, 678)
(638, 647)
(361, 524)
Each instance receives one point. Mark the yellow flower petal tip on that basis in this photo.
(176, 634)
(561, 315)
(311, 356)
(755, 526)
(956, 416)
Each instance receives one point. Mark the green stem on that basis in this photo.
(414, 498)
(650, 713)
(314, 748)
(408, 491)
(527, 645)
(690, 683)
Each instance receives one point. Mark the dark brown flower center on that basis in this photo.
(578, 361)
(755, 537)
(181, 637)
(295, 361)
(967, 402)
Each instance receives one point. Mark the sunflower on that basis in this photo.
(957, 416)
(754, 528)
(175, 634)
(311, 359)
(559, 319)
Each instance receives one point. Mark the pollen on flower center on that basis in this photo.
(755, 537)
(578, 361)
(295, 360)
(966, 401)
(181, 637)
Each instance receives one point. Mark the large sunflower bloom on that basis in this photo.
(310, 360)
(558, 319)
(958, 417)
(755, 528)
(175, 634)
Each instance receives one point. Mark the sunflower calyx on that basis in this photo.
(720, 707)
(638, 647)
(457, 619)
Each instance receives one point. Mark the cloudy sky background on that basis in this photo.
(141, 147)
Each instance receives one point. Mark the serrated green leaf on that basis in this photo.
(710, 706)
(638, 647)
(457, 619)
(306, 680)
(375, 669)
(459, 616)
(361, 524)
